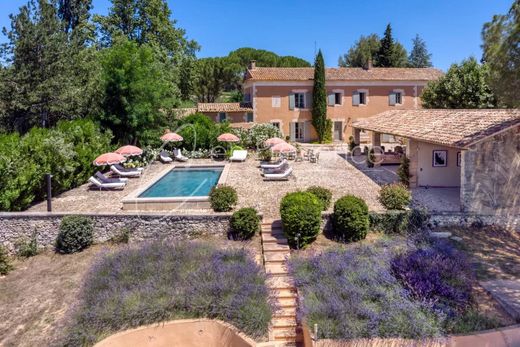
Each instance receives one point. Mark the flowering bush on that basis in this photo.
(440, 275)
(351, 293)
(256, 136)
(159, 281)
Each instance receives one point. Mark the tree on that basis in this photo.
(364, 49)
(74, 13)
(419, 57)
(463, 86)
(320, 122)
(391, 53)
(243, 56)
(211, 76)
(501, 47)
(146, 22)
(135, 90)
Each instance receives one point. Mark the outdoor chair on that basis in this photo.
(165, 157)
(102, 182)
(177, 154)
(238, 155)
(126, 172)
(276, 165)
(283, 176)
(280, 169)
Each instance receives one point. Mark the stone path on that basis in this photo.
(285, 330)
(507, 293)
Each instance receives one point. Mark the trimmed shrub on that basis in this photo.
(324, 195)
(301, 218)
(350, 219)
(390, 222)
(245, 223)
(403, 172)
(371, 158)
(159, 281)
(418, 219)
(5, 263)
(223, 198)
(76, 234)
(27, 247)
(123, 236)
(394, 196)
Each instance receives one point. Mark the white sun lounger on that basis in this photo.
(165, 157)
(283, 176)
(177, 154)
(274, 166)
(124, 172)
(107, 185)
(238, 155)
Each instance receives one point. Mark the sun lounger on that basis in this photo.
(165, 157)
(177, 154)
(238, 155)
(104, 179)
(274, 165)
(125, 172)
(280, 169)
(283, 176)
(102, 182)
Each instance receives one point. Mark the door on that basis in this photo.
(338, 131)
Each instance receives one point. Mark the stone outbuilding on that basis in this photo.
(476, 150)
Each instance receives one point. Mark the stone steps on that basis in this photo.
(275, 247)
(276, 269)
(275, 257)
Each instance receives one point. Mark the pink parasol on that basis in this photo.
(109, 159)
(273, 141)
(171, 137)
(129, 151)
(227, 137)
(283, 147)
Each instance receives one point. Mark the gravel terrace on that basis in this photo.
(332, 172)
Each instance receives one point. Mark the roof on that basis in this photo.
(343, 74)
(453, 128)
(224, 107)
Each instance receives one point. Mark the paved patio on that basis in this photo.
(332, 172)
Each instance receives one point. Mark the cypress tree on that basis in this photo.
(386, 49)
(320, 122)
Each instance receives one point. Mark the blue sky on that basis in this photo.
(451, 28)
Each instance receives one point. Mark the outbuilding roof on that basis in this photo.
(458, 128)
(343, 74)
(224, 107)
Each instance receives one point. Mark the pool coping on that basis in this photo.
(134, 200)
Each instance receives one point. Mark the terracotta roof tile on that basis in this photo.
(224, 107)
(455, 128)
(343, 74)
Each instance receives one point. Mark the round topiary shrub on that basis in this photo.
(301, 218)
(245, 223)
(223, 198)
(394, 196)
(76, 234)
(350, 220)
(323, 194)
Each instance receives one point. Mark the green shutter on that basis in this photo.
(391, 99)
(331, 99)
(355, 98)
(291, 102)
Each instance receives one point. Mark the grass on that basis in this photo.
(162, 281)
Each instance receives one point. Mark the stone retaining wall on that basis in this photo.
(22, 225)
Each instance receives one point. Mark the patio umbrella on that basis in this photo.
(227, 137)
(171, 137)
(109, 159)
(283, 147)
(273, 141)
(128, 151)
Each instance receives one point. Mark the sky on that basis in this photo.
(451, 28)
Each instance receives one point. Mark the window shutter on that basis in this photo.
(331, 99)
(291, 126)
(355, 98)
(391, 99)
(308, 101)
(291, 102)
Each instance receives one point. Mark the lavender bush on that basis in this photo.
(161, 281)
(353, 294)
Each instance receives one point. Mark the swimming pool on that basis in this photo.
(181, 187)
(181, 182)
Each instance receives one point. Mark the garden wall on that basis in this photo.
(19, 225)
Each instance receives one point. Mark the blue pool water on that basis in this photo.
(181, 182)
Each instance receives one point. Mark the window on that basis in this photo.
(249, 117)
(299, 100)
(298, 131)
(276, 101)
(247, 97)
(276, 124)
(362, 98)
(337, 98)
(222, 116)
(398, 98)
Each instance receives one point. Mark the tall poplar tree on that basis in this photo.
(320, 122)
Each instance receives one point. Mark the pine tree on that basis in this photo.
(419, 57)
(320, 122)
(391, 53)
(74, 13)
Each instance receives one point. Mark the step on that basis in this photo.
(277, 258)
(280, 282)
(276, 269)
(271, 239)
(284, 293)
(289, 335)
(271, 222)
(285, 312)
(286, 302)
(274, 247)
(273, 235)
(279, 323)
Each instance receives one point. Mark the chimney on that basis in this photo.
(252, 65)
(369, 64)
